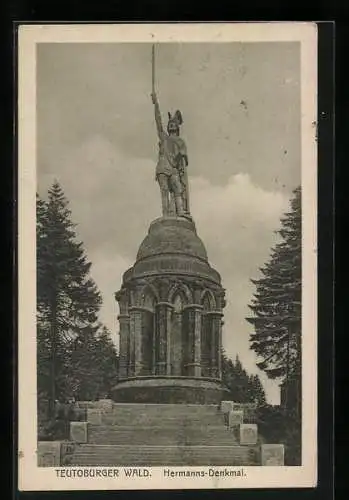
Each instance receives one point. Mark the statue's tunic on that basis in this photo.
(171, 150)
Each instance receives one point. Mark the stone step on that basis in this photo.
(164, 416)
(181, 426)
(138, 414)
(119, 455)
(161, 420)
(153, 406)
(177, 406)
(170, 417)
(174, 409)
(214, 435)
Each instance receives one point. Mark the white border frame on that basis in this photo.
(33, 478)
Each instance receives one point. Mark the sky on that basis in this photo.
(96, 135)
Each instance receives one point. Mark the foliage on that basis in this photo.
(94, 361)
(277, 302)
(75, 354)
(276, 340)
(278, 424)
(243, 388)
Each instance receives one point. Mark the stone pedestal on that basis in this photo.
(78, 432)
(169, 390)
(235, 418)
(273, 454)
(49, 453)
(94, 416)
(163, 331)
(105, 405)
(249, 410)
(226, 406)
(248, 434)
(67, 452)
(85, 404)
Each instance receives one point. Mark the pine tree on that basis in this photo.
(257, 390)
(93, 365)
(241, 382)
(228, 373)
(67, 298)
(277, 302)
(108, 362)
(43, 337)
(242, 387)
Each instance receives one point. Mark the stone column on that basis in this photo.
(220, 303)
(162, 339)
(220, 349)
(122, 298)
(124, 333)
(135, 340)
(216, 340)
(131, 349)
(168, 320)
(193, 348)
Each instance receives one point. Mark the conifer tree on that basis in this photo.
(108, 361)
(277, 302)
(242, 387)
(257, 390)
(67, 298)
(93, 365)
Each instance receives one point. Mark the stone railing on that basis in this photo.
(55, 453)
(246, 433)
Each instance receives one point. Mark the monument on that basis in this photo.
(171, 300)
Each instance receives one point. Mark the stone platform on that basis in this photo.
(179, 390)
(171, 308)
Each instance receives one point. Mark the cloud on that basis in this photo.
(86, 89)
(241, 211)
(112, 196)
(237, 223)
(107, 273)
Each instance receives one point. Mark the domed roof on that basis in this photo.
(172, 235)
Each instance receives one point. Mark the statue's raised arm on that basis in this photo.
(158, 119)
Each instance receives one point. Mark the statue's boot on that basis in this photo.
(179, 206)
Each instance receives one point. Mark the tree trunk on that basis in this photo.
(53, 328)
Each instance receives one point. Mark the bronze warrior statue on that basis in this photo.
(172, 163)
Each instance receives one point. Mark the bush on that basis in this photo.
(57, 427)
(52, 430)
(279, 425)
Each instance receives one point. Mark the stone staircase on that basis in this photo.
(129, 455)
(181, 435)
(162, 434)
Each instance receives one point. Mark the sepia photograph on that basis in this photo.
(167, 256)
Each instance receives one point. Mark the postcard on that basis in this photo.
(167, 253)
